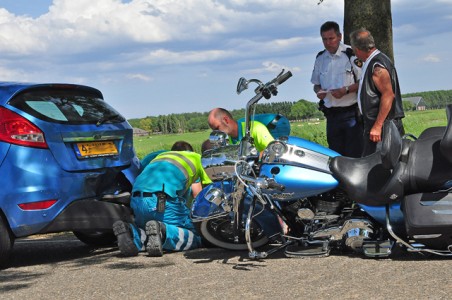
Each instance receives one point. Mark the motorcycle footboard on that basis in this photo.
(308, 249)
(428, 218)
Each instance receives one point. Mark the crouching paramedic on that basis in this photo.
(159, 196)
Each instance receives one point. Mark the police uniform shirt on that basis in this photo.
(334, 71)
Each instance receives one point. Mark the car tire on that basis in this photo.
(97, 238)
(6, 242)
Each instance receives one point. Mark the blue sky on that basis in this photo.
(153, 57)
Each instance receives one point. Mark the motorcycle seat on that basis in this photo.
(432, 131)
(374, 179)
(400, 167)
(391, 145)
(428, 168)
(446, 141)
(366, 180)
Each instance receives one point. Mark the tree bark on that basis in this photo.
(375, 16)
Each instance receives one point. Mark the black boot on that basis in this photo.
(154, 238)
(124, 235)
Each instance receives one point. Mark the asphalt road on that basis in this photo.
(61, 267)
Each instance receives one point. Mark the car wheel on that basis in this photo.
(96, 238)
(6, 242)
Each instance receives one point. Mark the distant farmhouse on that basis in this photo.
(140, 132)
(418, 102)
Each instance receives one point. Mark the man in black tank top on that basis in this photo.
(379, 97)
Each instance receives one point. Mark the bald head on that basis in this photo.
(221, 119)
(362, 39)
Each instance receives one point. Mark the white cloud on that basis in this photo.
(85, 25)
(163, 56)
(149, 46)
(432, 58)
(271, 67)
(140, 77)
(7, 74)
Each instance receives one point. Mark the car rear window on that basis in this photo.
(67, 105)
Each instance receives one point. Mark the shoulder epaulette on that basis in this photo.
(349, 52)
(320, 53)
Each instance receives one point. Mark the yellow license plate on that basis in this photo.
(94, 149)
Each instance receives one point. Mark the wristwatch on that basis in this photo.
(347, 90)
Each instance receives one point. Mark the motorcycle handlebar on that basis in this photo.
(265, 183)
(276, 186)
(283, 77)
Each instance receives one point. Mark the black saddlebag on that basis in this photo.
(428, 218)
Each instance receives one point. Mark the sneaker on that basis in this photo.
(124, 235)
(154, 239)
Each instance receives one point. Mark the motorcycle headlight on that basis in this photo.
(215, 196)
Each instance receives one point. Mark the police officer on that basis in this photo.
(335, 78)
(159, 197)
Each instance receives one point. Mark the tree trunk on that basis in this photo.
(375, 16)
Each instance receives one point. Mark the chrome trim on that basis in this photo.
(223, 156)
(253, 254)
(298, 156)
(337, 233)
(218, 139)
(92, 138)
(215, 196)
(412, 248)
(355, 237)
(427, 236)
(200, 219)
(305, 214)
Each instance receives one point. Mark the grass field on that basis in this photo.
(415, 122)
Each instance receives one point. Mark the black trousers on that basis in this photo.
(370, 147)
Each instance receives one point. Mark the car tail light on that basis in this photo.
(17, 130)
(37, 205)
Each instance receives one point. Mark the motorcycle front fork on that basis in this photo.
(252, 253)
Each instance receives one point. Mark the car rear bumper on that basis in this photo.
(89, 215)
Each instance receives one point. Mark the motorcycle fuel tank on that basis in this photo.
(301, 166)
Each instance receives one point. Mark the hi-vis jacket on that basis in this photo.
(172, 172)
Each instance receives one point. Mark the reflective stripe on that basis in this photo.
(190, 240)
(181, 239)
(167, 157)
(143, 238)
(187, 161)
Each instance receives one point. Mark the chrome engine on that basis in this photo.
(329, 219)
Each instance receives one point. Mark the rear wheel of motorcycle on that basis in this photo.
(6, 242)
(219, 233)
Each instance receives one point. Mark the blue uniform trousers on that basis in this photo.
(344, 133)
(180, 231)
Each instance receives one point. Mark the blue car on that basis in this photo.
(67, 163)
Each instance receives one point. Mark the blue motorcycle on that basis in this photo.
(308, 200)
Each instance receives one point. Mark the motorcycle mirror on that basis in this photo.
(218, 139)
(242, 85)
